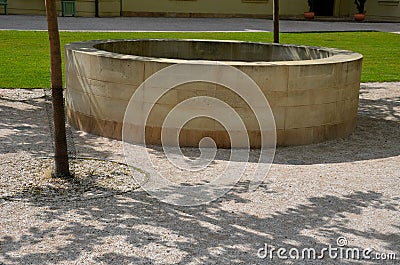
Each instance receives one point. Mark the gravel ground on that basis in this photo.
(312, 195)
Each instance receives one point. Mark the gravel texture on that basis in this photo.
(312, 195)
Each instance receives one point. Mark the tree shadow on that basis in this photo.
(22, 127)
(134, 228)
(26, 126)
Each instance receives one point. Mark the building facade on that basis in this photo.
(375, 9)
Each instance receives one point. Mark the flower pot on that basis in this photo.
(359, 17)
(309, 15)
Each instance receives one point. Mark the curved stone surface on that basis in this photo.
(313, 91)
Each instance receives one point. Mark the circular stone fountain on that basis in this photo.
(313, 91)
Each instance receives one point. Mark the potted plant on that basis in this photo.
(310, 14)
(360, 4)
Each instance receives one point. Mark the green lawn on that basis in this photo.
(24, 55)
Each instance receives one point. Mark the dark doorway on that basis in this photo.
(324, 7)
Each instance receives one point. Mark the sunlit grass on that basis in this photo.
(24, 55)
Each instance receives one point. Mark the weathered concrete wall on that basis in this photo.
(385, 10)
(211, 8)
(109, 8)
(376, 9)
(84, 8)
(37, 7)
(313, 94)
(31, 7)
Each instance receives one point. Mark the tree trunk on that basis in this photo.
(60, 139)
(276, 21)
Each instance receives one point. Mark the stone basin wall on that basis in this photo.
(312, 91)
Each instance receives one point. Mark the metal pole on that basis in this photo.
(276, 21)
(96, 8)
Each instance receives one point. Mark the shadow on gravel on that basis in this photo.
(373, 138)
(133, 228)
(26, 125)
